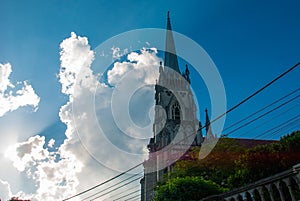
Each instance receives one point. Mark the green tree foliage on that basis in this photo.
(217, 166)
(186, 189)
(229, 166)
(266, 160)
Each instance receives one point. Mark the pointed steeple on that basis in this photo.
(170, 58)
(207, 121)
(199, 135)
(187, 74)
(209, 133)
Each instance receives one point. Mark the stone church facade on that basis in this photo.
(176, 127)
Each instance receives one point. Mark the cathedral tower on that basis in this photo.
(176, 127)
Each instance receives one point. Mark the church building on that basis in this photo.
(176, 128)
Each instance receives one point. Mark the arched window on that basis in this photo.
(176, 111)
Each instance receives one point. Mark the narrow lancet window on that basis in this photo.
(176, 111)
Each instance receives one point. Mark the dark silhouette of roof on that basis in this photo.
(249, 143)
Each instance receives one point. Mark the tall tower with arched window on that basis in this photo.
(176, 126)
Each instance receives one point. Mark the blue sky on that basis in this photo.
(250, 42)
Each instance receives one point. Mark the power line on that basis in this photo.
(120, 193)
(214, 120)
(256, 92)
(116, 188)
(291, 127)
(264, 114)
(248, 98)
(267, 132)
(133, 197)
(262, 109)
(137, 199)
(253, 120)
(96, 186)
(112, 186)
(280, 126)
(270, 119)
(252, 95)
(288, 126)
(124, 196)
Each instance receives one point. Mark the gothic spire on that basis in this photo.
(209, 133)
(207, 121)
(187, 74)
(170, 58)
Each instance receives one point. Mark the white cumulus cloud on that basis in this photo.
(53, 172)
(51, 143)
(117, 53)
(10, 98)
(95, 148)
(76, 56)
(105, 150)
(145, 67)
(5, 191)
